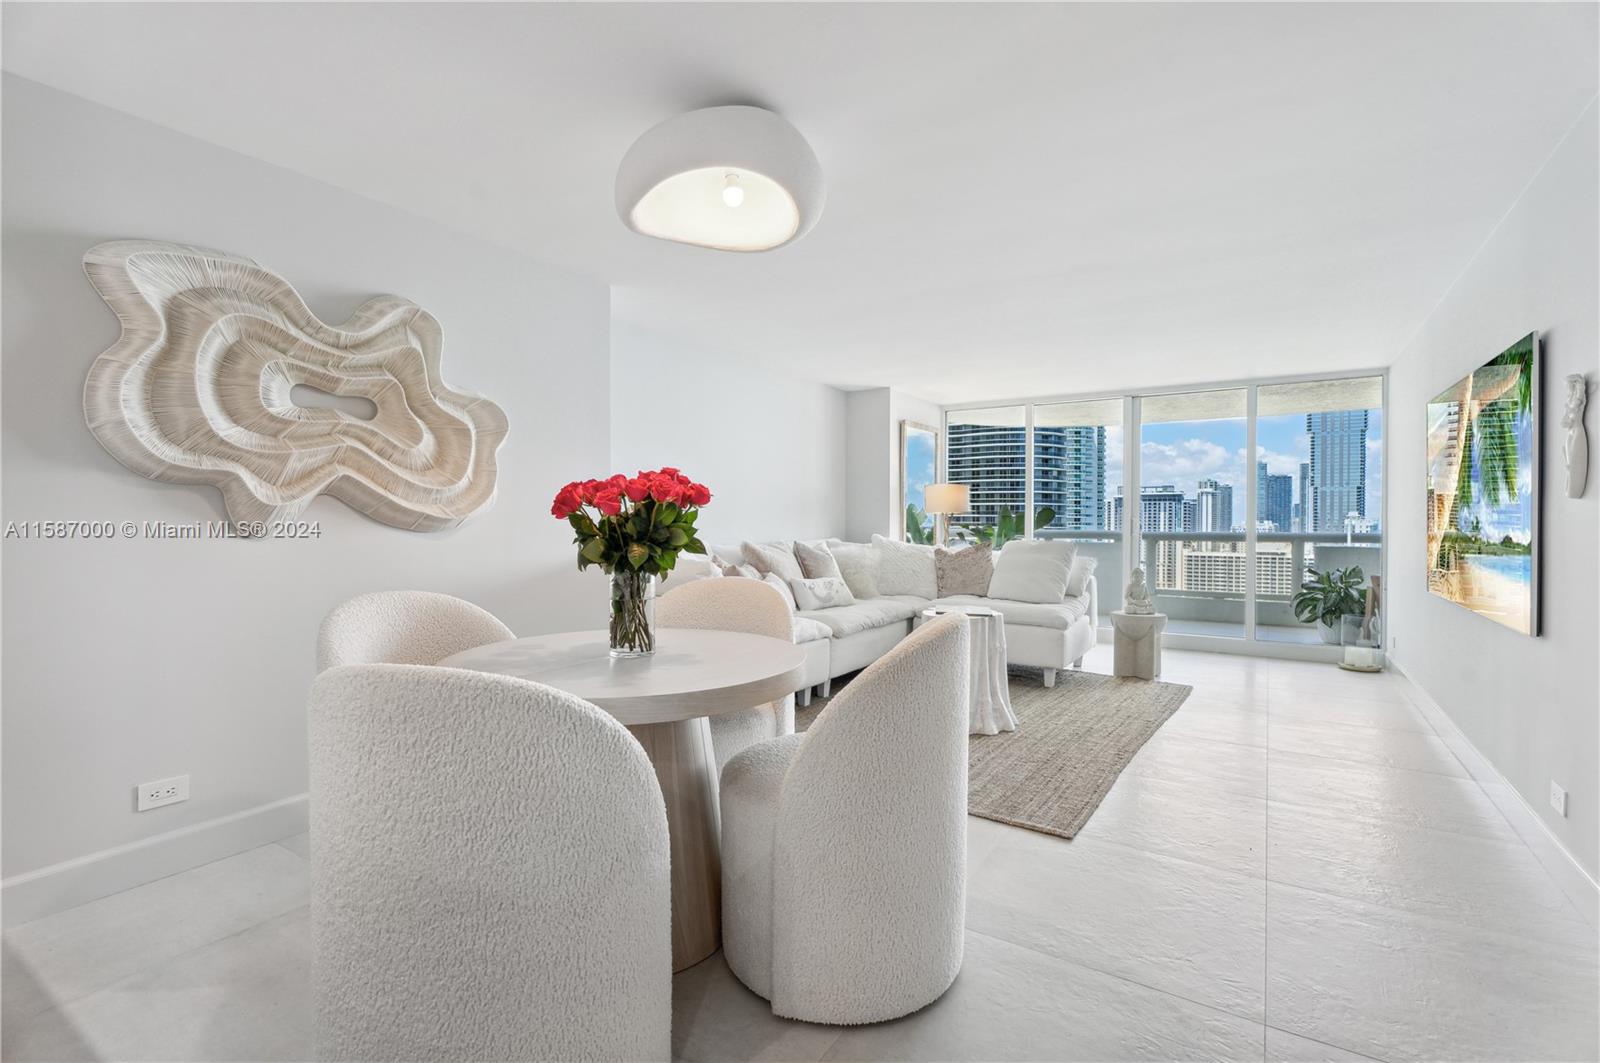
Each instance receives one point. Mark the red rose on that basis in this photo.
(586, 491)
(566, 502)
(699, 494)
(668, 470)
(665, 489)
(637, 489)
(608, 500)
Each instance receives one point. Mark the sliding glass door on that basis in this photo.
(1191, 512)
(1077, 472)
(1232, 498)
(1319, 448)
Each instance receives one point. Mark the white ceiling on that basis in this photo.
(1021, 199)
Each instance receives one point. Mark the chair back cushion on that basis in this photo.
(490, 874)
(404, 627)
(869, 854)
(749, 605)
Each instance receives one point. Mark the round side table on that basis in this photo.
(989, 707)
(1137, 648)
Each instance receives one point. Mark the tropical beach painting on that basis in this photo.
(1483, 489)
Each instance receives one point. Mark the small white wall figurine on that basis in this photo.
(1136, 599)
(1575, 447)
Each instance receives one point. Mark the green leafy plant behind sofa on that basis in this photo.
(1007, 526)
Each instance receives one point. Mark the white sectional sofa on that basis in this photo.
(845, 638)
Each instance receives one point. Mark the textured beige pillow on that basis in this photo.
(776, 558)
(817, 561)
(964, 571)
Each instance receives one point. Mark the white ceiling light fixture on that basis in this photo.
(729, 178)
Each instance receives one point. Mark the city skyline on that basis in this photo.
(1078, 470)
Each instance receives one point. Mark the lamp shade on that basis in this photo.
(946, 498)
(729, 178)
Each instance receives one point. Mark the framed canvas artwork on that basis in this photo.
(1483, 489)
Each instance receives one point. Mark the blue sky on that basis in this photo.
(1183, 453)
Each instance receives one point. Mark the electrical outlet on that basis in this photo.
(1558, 798)
(162, 792)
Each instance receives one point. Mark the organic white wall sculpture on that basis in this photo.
(197, 391)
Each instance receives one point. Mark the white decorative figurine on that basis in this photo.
(1137, 596)
(1575, 447)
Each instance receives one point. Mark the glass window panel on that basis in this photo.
(987, 450)
(1192, 508)
(1319, 461)
(1077, 471)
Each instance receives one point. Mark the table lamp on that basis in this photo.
(942, 500)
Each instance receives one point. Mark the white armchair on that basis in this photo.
(404, 627)
(489, 874)
(745, 605)
(844, 848)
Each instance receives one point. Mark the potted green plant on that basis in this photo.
(1327, 596)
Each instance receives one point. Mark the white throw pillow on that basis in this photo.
(858, 565)
(741, 571)
(776, 558)
(817, 560)
(773, 580)
(824, 593)
(1032, 570)
(905, 568)
(1083, 567)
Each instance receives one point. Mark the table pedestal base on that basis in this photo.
(686, 768)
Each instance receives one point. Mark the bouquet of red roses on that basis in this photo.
(639, 523)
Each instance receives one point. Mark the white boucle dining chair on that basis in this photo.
(490, 873)
(754, 608)
(404, 627)
(844, 849)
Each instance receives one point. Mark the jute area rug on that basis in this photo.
(1071, 743)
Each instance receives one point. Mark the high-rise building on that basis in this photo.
(1338, 472)
(1161, 509)
(1213, 506)
(1303, 512)
(1274, 499)
(1069, 475)
(1069, 471)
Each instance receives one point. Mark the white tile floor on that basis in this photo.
(1296, 867)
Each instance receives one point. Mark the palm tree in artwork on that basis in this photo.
(1491, 432)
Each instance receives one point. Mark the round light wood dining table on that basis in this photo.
(664, 700)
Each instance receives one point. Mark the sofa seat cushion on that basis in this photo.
(806, 630)
(866, 614)
(1028, 614)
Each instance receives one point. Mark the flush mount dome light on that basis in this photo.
(729, 178)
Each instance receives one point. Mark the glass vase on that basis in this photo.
(633, 614)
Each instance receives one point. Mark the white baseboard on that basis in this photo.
(1573, 878)
(33, 894)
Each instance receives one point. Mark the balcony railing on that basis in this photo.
(1222, 611)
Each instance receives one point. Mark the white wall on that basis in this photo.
(1531, 705)
(771, 448)
(874, 418)
(127, 661)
